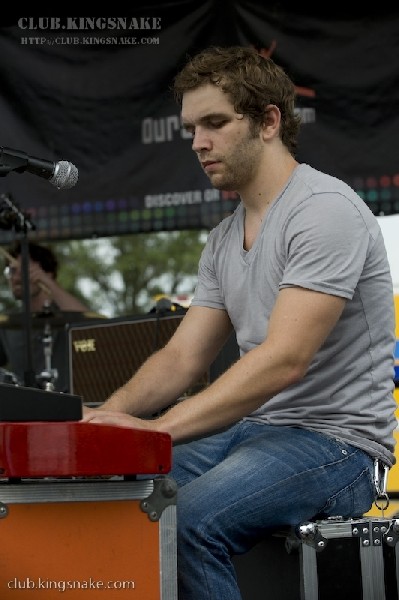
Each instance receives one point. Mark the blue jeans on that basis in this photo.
(237, 486)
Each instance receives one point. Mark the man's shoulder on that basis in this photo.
(319, 182)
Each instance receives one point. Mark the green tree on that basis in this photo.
(120, 276)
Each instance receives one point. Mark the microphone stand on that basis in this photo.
(13, 217)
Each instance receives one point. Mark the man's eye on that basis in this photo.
(215, 124)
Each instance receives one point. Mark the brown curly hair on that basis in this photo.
(251, 82)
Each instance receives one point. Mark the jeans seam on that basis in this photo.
(350, 486)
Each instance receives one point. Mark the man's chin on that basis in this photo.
(221, 184)
(217, 181)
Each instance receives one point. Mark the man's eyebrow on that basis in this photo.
(206, 119)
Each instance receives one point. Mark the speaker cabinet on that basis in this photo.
(105, 354)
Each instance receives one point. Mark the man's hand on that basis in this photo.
(113, 417)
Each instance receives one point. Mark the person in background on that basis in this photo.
(50, 304)
(291, 430)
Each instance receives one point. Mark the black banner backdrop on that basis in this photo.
(95, 91)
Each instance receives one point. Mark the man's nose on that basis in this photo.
(201, 140)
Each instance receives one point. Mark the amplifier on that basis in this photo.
(105, 354)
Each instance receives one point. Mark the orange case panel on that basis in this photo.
(75, 544)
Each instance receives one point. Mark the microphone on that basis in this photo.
(62, 174)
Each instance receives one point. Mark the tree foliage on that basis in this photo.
(119, 276)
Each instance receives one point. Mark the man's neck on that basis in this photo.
(267, 188)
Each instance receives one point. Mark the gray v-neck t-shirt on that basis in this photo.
(319, 235)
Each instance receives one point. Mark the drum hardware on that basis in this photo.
(8, 377)
(57, 319)
(11, 217)
(49, 321)
(14, 218)
(47, 378)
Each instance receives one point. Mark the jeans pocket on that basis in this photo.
(354, 499)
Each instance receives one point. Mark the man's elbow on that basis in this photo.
(295, 371)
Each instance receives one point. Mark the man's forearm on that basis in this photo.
(159, 382)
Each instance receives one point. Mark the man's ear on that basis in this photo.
(271, 122)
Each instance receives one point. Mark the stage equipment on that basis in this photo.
(86, 507)
(18, 403)
(62, 174)
(324, 560)
(55, 318)
(49, 321)
(104, 355)
(9, 377)
(13, 218)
